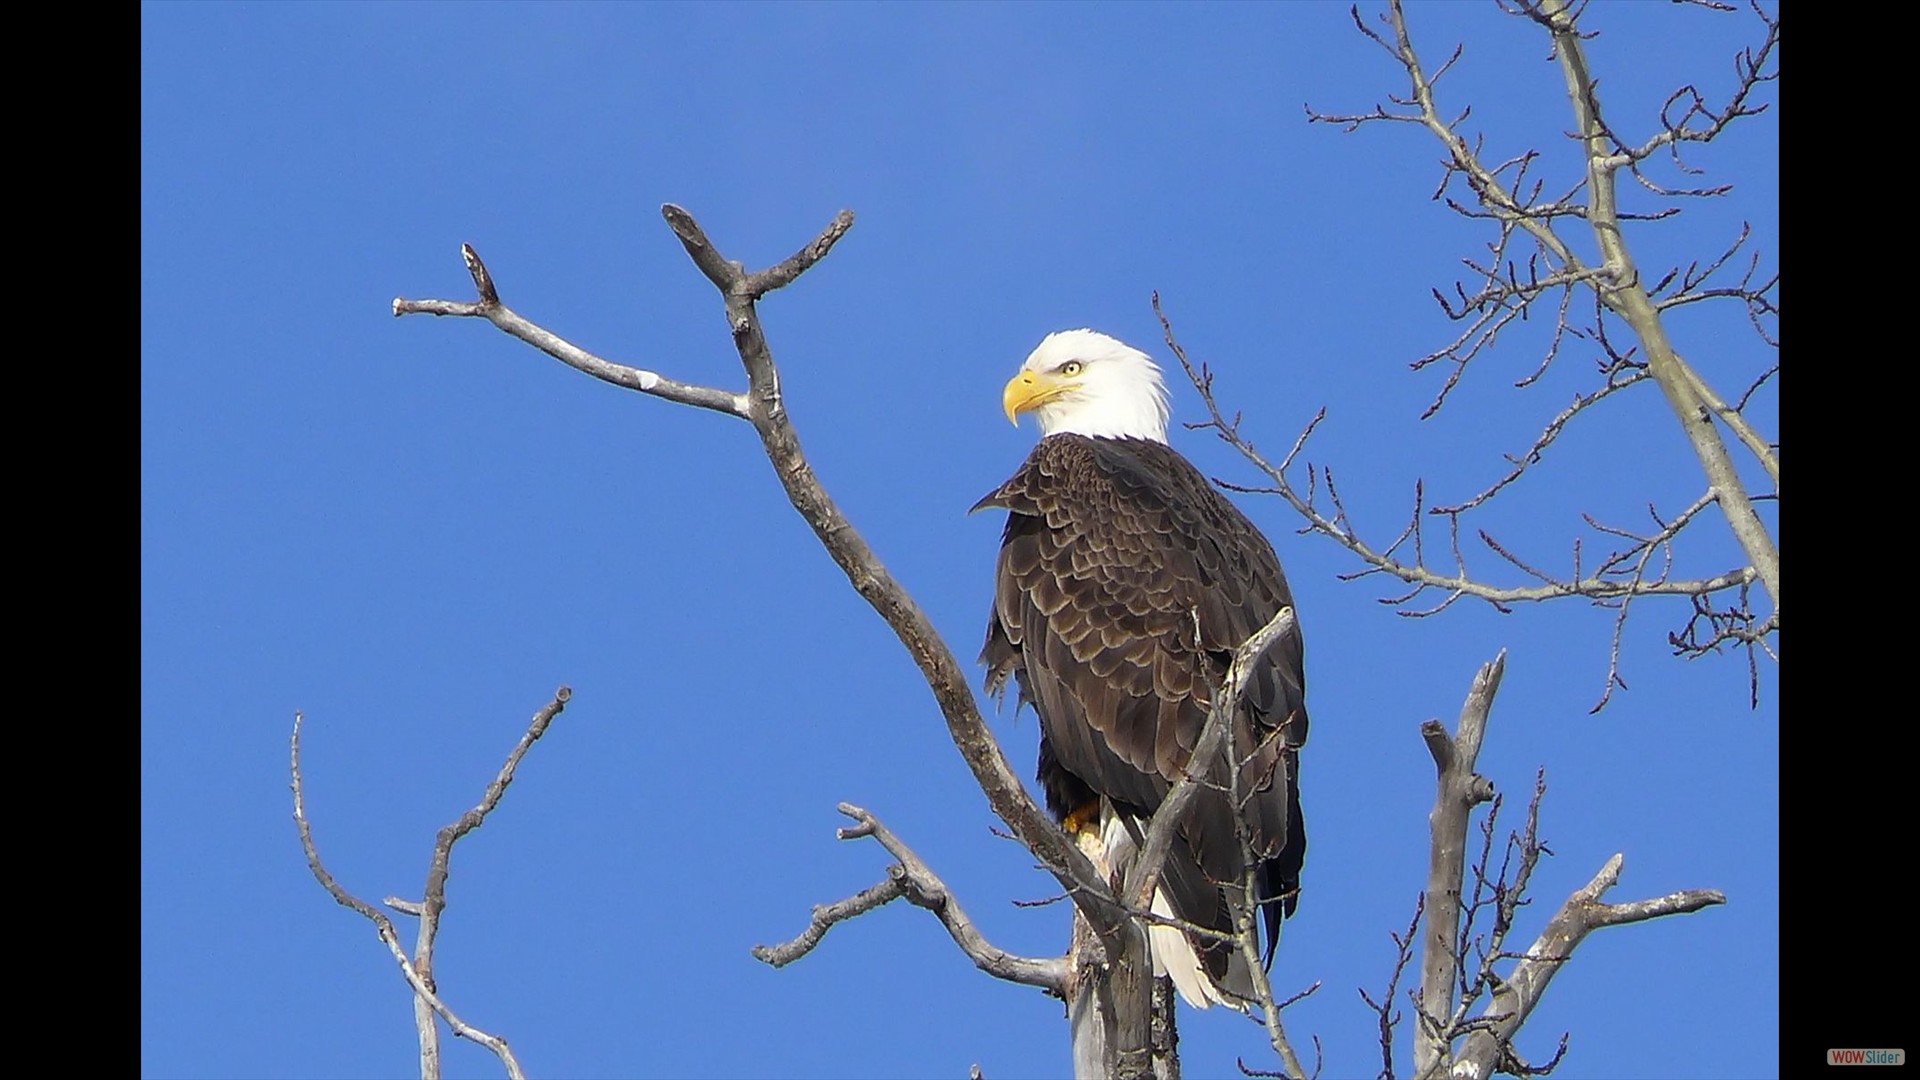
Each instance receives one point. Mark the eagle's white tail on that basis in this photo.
(1173, 954)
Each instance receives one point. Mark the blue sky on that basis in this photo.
(416, 529)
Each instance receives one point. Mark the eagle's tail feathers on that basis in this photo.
(1173, 952)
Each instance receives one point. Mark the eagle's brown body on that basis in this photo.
(1125, 584)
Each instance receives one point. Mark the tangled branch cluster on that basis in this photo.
(1531, 269)
(1468, 1013)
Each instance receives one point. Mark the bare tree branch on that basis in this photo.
(1460, 790)
(1417, 573)
(1627, 297)
(1446, 993)
(911, 878)
(764, 282)
(766, 409)
(1488, 1047)
(419, 969)
(826, 915)
(490, 308)
(1754, 442)
(764, 406)
(434, 898)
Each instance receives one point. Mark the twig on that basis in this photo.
(1403, 953)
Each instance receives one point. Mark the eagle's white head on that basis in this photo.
(1084, 382)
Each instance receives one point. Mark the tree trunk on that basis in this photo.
(1120, 1017)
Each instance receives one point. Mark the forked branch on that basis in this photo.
(489, 307)
(1447, 991)
(1489, 1043)
(418, 969)
(1460, 790)
(911, 878)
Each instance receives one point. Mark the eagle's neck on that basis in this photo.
(1134, 416)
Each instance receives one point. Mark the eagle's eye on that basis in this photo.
(1070, 368)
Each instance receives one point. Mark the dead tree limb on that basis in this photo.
(911, 878)
(1460, 790)
(1490, 1045)
(489, 307)
(1447, 994)
(418, 969)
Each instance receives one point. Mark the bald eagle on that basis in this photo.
(1125, 584)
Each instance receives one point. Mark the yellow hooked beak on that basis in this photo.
(1028, 391)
